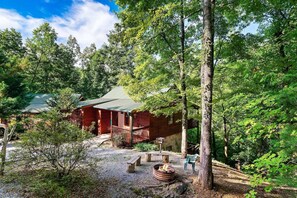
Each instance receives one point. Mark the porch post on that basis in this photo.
(111, 132)
(131, 120)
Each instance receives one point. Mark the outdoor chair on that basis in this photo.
(191, 159)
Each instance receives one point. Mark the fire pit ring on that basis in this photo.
(163, 175)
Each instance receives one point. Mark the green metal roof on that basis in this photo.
(39, 103)
(93, 102)
(117, 100)
(124, 105)
(120, 101)
(117, 93)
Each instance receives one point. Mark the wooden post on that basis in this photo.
(165, 158)
(99, 122)
(138, 162)
(148, 157)
(131, 120)
(131, 168)
(110, 123)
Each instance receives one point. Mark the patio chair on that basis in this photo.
(191, 159)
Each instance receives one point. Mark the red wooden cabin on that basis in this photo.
(116, 113)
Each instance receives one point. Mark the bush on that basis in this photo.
(146, 147)
(54, 142)
(118, 140)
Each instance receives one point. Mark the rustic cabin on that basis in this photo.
(116, 114)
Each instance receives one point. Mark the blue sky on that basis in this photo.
(45, 8)
(88, 20)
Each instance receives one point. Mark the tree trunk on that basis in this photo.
(205, 176)
(3, 151)
(226, 135)
(198, 132)
(182, 76)
(226, 140)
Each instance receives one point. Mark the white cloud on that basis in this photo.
(86, 20)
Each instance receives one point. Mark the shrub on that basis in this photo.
(146, 147)
(54, 142)
(118, 139)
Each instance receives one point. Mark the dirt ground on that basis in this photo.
(228, 182)
(115, 182)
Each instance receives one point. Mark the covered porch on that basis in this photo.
(120, 119)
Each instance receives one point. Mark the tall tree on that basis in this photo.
(12, 88)
(163, 56)
(119, 55)
(51, 66)
(94, 75)
(205, 176)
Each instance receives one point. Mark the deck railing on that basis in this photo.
(139, 134)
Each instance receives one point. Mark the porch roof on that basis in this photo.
(93, 102)
(123, 105)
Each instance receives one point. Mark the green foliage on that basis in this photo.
(55, 141)
(65, 101)
(254, 91)
(12, 90)
(118, 55)
(146, 147)
(192, 136)
(43, 183)
(251, 194)
(50, 66)
(153, 30)
(94, 75)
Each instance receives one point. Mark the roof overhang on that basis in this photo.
(122, 105)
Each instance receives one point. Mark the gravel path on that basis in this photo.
(111, 170)
(8, 191)
(113, 165)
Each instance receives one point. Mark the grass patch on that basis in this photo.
(146, 147)
(45, 183)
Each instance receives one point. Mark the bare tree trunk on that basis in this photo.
(198, 132)
(205, 176)
(184, 145)
(226, 140)
(3, 151)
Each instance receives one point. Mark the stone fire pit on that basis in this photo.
(163, 172)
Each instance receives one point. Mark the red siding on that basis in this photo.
(141, 119)
(76, 117)
(89, 115)
(160, 127)
(104, 121)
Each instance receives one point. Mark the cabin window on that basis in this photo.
(170, 120)
(126, 119)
